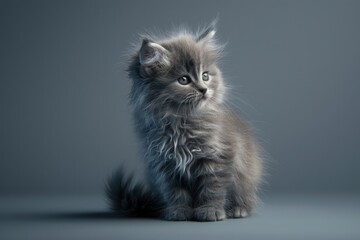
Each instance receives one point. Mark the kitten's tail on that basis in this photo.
(131, 200)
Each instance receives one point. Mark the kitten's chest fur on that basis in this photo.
(179, 142)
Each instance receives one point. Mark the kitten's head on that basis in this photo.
(178, 75)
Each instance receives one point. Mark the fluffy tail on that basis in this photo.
(131, 200)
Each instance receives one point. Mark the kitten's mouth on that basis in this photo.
(204, 97)
(197, 101)
(201, 100)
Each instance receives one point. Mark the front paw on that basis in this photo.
(181, 213)
(238, 212)
(209, 213)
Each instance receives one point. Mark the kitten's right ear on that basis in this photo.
(153, 54)
(208, 33)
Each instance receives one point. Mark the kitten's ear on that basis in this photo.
(153, 54)
(208, 33)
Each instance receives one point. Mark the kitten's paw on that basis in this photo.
(209, 214)
(182, 213)
(237, 212)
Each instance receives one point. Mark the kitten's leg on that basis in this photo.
(246, 172)
(240, 203)
(178, 205)
(209, 200)
(175, 199)
(241, 198)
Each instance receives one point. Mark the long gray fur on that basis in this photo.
(201, 159)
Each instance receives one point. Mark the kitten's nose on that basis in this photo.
(203, 90)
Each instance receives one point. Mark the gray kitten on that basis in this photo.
(202, 162)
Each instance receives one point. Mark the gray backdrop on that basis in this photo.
(65, 125)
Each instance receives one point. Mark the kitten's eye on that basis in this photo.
(184, 80)
(205, 76)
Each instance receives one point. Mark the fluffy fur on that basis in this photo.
(202, 162)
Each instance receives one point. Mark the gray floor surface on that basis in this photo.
(87, 217)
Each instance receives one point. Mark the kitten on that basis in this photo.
(202, 162)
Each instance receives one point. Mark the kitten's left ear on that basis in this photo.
(208, 34)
